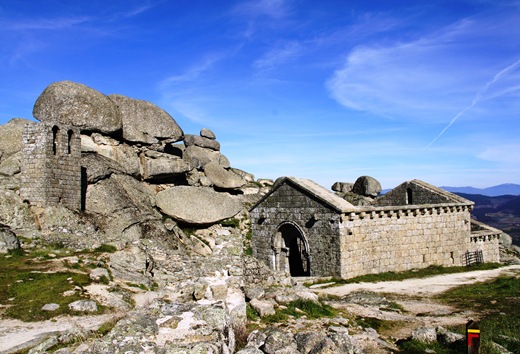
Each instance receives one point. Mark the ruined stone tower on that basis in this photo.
(51, 172)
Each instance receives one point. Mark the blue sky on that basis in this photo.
(326, 90)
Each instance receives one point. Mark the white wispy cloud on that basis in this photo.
(194, 72)
(503, 153)
(426, 78)
(44, 23)
(272, 8)
(278, 55)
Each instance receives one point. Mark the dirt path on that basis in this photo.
(422, 287)
(414, 296)
(15, 334)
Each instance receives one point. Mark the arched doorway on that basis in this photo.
(290, 250)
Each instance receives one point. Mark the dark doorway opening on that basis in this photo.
(294, 245)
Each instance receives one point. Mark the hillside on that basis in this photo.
(502, 212)
(494, 191)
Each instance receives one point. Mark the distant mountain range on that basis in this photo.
(502, 212)
(495, 191)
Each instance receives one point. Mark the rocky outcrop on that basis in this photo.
(11, 137)
(223, 178)
(144, 122)
(8, 239)
(157, 165)
(367, 186)
(194, 205)
(71, 103)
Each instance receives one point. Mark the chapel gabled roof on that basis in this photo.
(313, 189)
(424, 193)
(454, 197)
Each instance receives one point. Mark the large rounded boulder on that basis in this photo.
(70, 103)
(197, 205)
(367, 186)
(144, 122)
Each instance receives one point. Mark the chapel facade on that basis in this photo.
(302, 228)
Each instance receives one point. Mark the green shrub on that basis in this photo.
(104, 248)
(233, 222)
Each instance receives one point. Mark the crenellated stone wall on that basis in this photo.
(336, 238)
(51, 170)
(403, 238)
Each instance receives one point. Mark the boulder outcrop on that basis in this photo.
(367, 186)
(197, 205)
(8, 239)
(71, 103)
(223, 178)
(144, 122)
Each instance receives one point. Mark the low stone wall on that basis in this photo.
(402, 238)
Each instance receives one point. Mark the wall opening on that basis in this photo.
(70, 135)
(55, 131)
(292, 251)
(409, 199)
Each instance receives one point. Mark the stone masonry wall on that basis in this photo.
(399, 238)
(287, 203)
(51, 172)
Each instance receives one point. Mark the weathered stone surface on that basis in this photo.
(342, 187)
(195, 140)
(50, 307)
(130, 265)
(14, 212)
(197, 205)
(425, 334)
(11, 136)
(123, 154)
(206, 133)
(254, 292)
(161, 165)
(8, 239)
(367, 186)
(343, 341)
(222, 178)
(263, 307)
(70, 103)
(446, 337)
(144, 122)
(279, 341)
(250, 350)
(97, 274)
(311, 342)
(99, 167)
(11, 165)
(83, 306)
(198, 157)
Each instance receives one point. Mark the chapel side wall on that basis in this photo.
(51, 172)
(488, 244)
(290, 204)
(398, 240)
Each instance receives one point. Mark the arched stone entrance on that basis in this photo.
(291, 250)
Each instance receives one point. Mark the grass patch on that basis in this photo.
(251, 313)
(497, 300)
(28, 282)
(410, 274)
(104, 248)
(417, 347)
(233, 222)
(300, 308)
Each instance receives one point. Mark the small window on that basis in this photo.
(409, 199)
(70, 134)
(55, 131)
